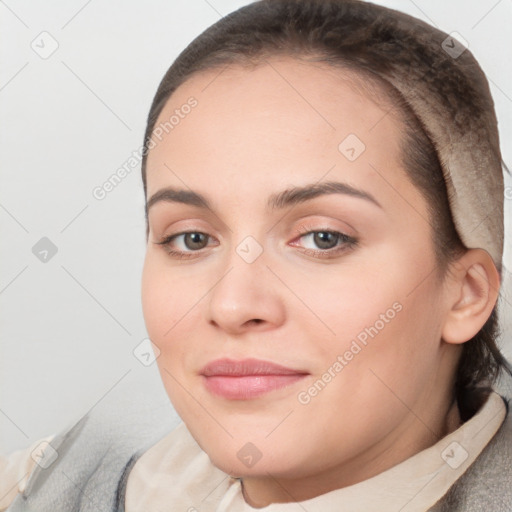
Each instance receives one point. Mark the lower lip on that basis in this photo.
(248, 386)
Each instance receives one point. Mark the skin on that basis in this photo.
(256, 132)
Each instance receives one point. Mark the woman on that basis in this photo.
(324, 199)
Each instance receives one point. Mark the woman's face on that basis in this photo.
(283, 154)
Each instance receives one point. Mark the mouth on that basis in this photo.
(247, 378)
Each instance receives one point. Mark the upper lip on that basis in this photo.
(245, 367)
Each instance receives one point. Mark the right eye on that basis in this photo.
(188, 242)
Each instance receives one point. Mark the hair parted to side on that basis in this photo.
(354, 35)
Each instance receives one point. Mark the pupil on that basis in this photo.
(322, 239)
(195, 238)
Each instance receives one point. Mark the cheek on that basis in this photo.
(381, 316)
(165, 300)
(382, 357)
(345, 300)
(173, 302)
(388, 340)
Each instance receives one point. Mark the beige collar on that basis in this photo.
(176, 471)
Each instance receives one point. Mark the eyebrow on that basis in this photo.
(288, 197)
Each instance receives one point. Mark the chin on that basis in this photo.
(244, 459)
(235, 468)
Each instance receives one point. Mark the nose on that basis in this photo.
(247, 297)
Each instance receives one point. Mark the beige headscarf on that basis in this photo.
(448, 91)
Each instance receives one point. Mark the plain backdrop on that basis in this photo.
(69, 120)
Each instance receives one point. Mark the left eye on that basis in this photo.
(326, 240)
(194, 240)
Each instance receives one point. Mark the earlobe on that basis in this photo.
(473, 291)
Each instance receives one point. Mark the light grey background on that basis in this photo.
(68, 122)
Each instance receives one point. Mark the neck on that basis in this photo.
(406, 441)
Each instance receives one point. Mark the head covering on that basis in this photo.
(447, 90)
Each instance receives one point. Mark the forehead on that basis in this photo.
(283, 121)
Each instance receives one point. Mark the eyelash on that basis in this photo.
(348, 243)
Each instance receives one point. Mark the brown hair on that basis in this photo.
(353, 35)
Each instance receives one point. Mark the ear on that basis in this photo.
(473, 289)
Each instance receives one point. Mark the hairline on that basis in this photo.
(362, 80)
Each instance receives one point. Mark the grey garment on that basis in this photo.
(95, 459)
(90, 472)
(97, 452)
(487, 484)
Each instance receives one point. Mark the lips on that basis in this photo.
(247, 378)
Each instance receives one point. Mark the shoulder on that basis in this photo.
(89, 461)
(485, 485)
(176, 458)
(16, 467)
